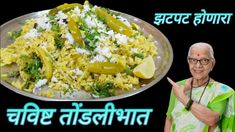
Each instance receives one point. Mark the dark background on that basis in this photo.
(221, 37)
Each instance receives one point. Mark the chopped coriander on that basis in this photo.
(28, 86)
(67, 90)
(40, 29)
(51, 17)
(14, 34)
(55, 27)
(128, 71)
(59, 42)
(33, 68)
(139, 55)
(103, 90)
(14, 74)
(91, 39)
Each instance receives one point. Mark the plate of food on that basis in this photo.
(81, 52)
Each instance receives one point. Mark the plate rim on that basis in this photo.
(111, 98)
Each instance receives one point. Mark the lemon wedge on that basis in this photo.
(146, 69)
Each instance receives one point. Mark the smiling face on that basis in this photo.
(200, 61)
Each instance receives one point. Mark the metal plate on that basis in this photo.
(163, 61)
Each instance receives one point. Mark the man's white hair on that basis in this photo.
(202, 44)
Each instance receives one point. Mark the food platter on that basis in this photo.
(162, 62)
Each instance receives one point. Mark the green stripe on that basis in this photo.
(187, 128)
(205, 129)
(221, 97)
(228, 123)
(182, 82)
(210, 85)
(173, 127)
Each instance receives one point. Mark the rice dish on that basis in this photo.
(62, 53)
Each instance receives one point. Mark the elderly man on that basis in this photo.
(199, 103)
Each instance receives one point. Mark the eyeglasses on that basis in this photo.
(203, 61)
